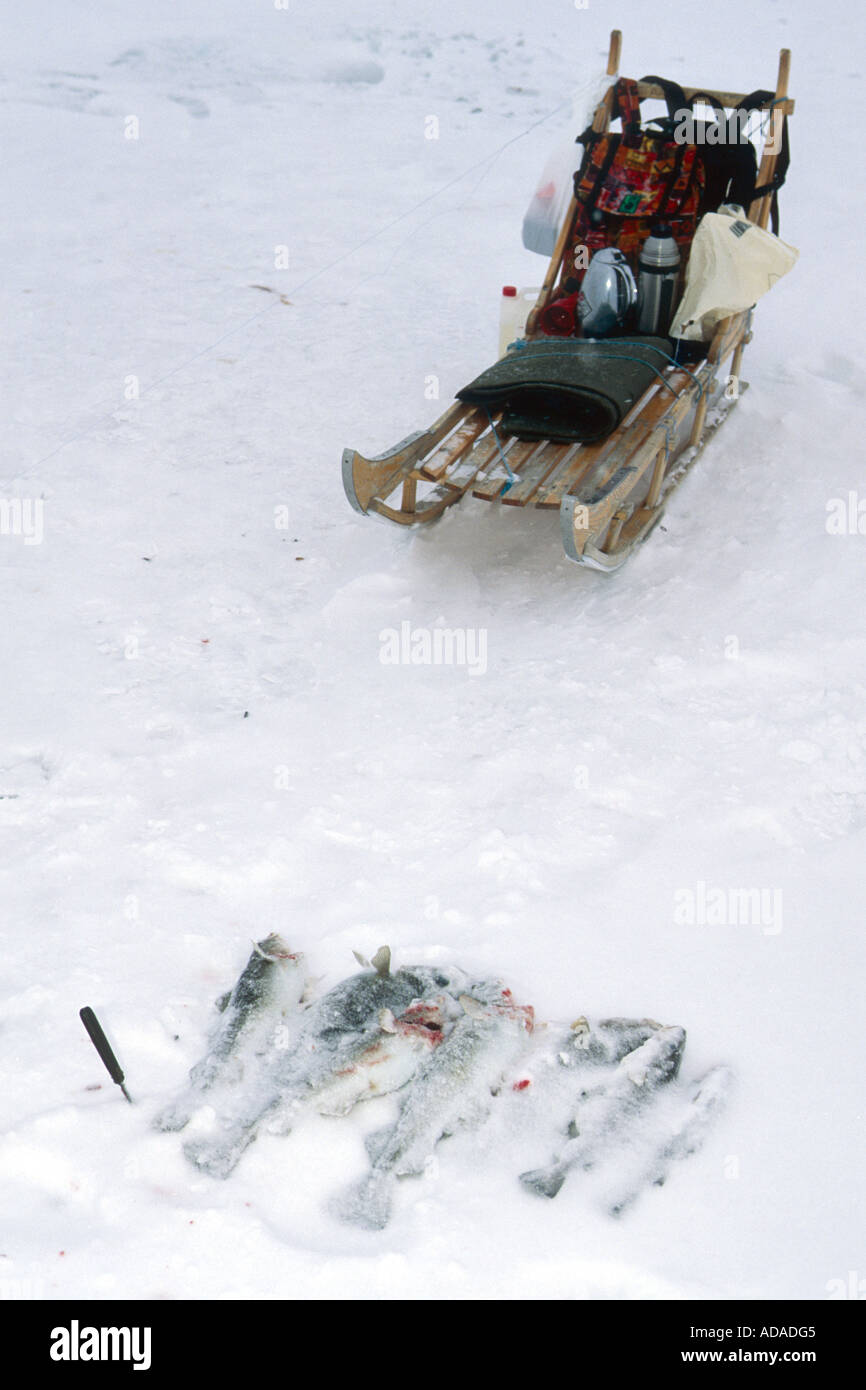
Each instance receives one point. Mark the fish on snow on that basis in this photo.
(604, 1109)
(327, 1038)
(453, 1086)
(268, 992)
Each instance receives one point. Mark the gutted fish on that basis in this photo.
(453, 1086)
(326, 1039)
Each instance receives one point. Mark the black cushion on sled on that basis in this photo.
(569, 388)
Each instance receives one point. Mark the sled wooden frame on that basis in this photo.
(611, 494)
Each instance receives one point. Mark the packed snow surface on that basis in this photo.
(231, 247)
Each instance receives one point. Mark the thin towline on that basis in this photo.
(295, 289)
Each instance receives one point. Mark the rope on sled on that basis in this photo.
(511, 476)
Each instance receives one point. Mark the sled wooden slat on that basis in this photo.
(553, 489)
(467, 471)
(663, 412)
(470, 466)
(478, 458)
(550, 494)
(455, 446)
(543, 464)
(495, 477)
(557, 487)
(519, 452)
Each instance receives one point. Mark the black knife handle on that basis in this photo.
(101, 1043)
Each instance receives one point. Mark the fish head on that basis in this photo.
(281, 974)
(274, 948)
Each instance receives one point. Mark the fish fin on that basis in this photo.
(544, 1182)
(381, 962)
(387, 1021)
(173, 1117)
(222, 1003)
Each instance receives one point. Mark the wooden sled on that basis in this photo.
(610, 494)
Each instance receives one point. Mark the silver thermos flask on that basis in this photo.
(658, 277)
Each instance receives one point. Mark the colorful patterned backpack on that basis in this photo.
(627, 182)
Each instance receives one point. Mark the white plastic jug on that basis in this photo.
(515, 308)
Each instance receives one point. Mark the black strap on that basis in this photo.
(758, 100)
(782, 161)
(675, 97)
(753, 102)
(709, 99)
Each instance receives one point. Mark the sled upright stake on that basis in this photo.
(103, 1047)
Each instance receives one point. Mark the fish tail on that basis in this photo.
(544, 1182)
(218, 1157)
(367, 1204)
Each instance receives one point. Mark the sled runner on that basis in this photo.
(610, 491)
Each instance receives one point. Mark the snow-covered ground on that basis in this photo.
(229, 249)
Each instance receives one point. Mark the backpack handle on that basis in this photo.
(709, 99)
(675, 97)
(627, 104)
